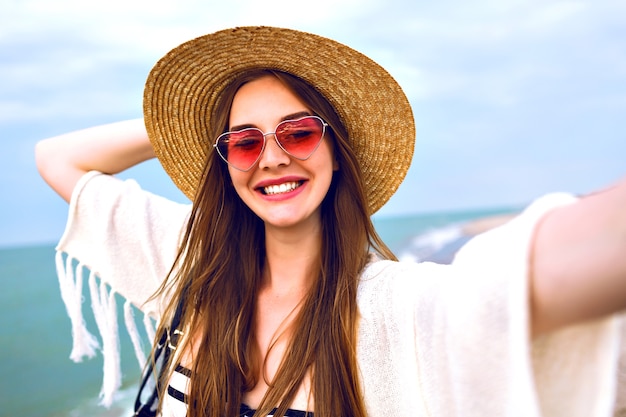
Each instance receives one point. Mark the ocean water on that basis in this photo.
(39, 379)
(35, 339)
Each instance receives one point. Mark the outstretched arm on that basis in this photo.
(110, 148)
(578, 262)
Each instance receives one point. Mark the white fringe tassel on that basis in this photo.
(85, 344)
(131, 326)
(105, 313)
(150, 327)
(71, 285)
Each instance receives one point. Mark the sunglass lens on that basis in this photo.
(242, 148)
(300, 137)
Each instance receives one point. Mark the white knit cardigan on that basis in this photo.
(433, 340)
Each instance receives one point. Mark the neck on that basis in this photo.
(292, 259)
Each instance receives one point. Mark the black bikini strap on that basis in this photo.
(153, 378)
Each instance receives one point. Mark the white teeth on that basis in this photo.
(282, 188)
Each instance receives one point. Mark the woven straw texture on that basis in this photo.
(183, 86)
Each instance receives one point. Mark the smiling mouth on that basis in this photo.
(281, 188)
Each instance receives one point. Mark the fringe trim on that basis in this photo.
(84, 343)
(104, 308)
(150, 327)
(105, 313)
(131, 326)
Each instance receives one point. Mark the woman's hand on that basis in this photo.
(578, 263)
(112, 148)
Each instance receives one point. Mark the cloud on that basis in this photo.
(71, 58)
(151, 25)
(487, 51)
(505, 94)
(495, 52)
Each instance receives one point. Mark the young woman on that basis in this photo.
(285, 299)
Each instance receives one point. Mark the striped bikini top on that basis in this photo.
(177, 397)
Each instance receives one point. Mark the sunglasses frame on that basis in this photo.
(280, 145)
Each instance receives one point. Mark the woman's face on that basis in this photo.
(283, 191)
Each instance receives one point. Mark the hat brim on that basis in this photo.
(184, 85)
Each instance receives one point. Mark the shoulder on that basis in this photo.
(99, 198)
(387, 272)
(402, 284)
(127, 236)
(104, 187)
(382, 270)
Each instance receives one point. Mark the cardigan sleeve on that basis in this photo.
(571, 372)
(453, 340)
(124, 240)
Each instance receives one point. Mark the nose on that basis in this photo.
(273, 155)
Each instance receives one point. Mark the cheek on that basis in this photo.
(238, 180)
(325, 168)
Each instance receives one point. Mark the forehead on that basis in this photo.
(264, 100)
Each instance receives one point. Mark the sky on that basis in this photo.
(512, 99)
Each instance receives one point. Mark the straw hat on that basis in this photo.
(183, 86)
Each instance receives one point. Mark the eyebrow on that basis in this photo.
(292, 116)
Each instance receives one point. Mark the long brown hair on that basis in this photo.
(220, 265)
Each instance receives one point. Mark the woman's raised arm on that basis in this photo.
(578, 264)
(111, 148)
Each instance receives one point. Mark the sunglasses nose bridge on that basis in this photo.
(280, 145)
(272, 153)
(265, 135)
